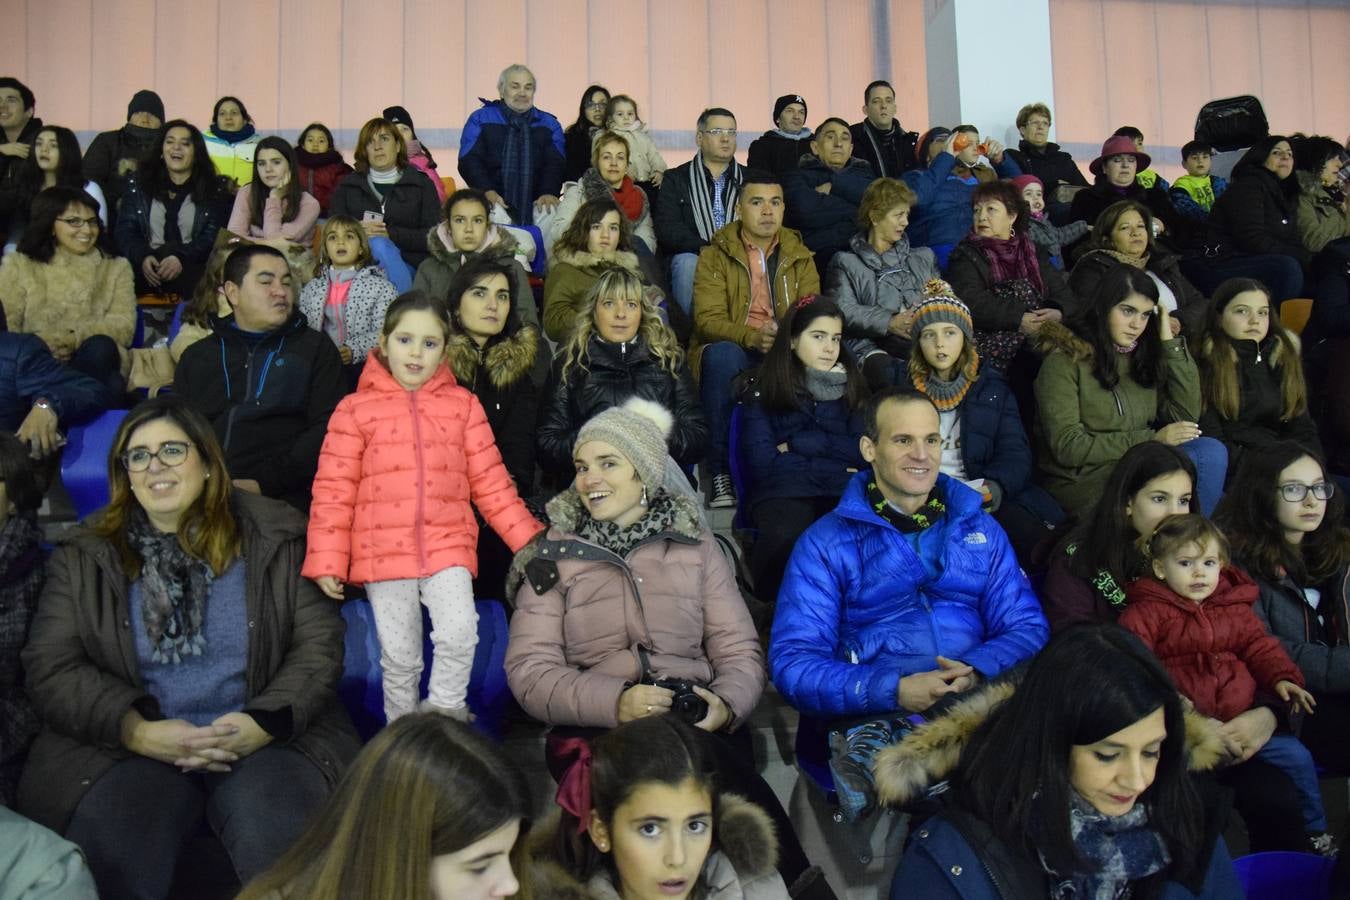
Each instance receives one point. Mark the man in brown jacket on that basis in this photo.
(748, 276)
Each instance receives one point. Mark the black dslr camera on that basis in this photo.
(686, 704)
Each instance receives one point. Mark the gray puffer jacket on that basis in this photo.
(871, 287)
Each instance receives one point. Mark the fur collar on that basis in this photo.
(581, 259)
(439, 245)
(745, 839)
(1056, 336)
(564, 516)
(505, 361)
(932, 752)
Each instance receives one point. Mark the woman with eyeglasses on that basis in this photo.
(63, 287)
(577, 137)
(1285, 519)
(182, 669)
(1258, 213)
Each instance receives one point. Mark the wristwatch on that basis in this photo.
(42, 403)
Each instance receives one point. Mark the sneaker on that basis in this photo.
(851, 756)
(723, 494)
(1323, 844)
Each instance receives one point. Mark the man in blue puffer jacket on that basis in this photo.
(905, 593)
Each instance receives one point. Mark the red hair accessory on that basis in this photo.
(805, 301)
(574, 788)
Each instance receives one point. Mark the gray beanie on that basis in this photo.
(638, 430)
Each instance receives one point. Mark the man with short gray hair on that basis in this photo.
(512, 151)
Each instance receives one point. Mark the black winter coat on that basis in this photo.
(1257, 216)
(1192, 307)
(103, 159)
(1050, 164)
(972, 280)
(826, 221)
(888, 160)
(676, 229)
(577, 151)
(268, 401)
(10, 167)
(617, 372)
(1181, 233)
(410, 206)
(503, 376)
(1260, 406)
(773, 152)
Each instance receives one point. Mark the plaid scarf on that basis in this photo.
(517, 165)
(701, 194)
(1122, 849)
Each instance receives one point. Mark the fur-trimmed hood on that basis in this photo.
(932, 752)
(498, 244)
(1056, 336)
(564, 516)
(746, 852)
(624, 259)
(505, 361)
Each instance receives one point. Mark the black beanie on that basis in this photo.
(397, 115)
(783, 101)
(146, 101)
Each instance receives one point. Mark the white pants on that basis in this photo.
(448, 595)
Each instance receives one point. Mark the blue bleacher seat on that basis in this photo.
(1284, 875)
(361, 689)
(177, 323)
(84, 461)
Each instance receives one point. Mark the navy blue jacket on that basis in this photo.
(268, 401)
(994, 445)
(943, 863)
(863, 605)
(484, 139)
(822, 439)
(942, 215)
(826, 221)
(133, 227)
(29, 371)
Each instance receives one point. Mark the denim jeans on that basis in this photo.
(97, 357)
(135, 819)
(1281, 274)
(1211, 466)
(1288, 752)
(722, 362)
(682, 266)
(399, 273)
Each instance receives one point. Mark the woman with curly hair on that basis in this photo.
(618, 348)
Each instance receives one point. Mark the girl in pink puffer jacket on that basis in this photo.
(404, 459)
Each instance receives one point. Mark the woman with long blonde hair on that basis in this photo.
(618, 348)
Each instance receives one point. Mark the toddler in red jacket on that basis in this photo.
(406, 459)
(1196, 615)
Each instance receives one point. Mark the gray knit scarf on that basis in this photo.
(826, 386)
(174, 588)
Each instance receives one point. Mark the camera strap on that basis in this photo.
(645, 661)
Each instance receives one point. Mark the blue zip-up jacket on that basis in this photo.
(28, 371)
(822, 438)
(483, 141)
(269, 401)
(860, 608)
(942, 215)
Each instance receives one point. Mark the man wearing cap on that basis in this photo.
(513, 151)
(698, 198)
(114, 156)
(904, 594)
(878, 139)
(20, 128)
(779, 151)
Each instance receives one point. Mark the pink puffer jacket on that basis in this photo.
(579, 621)
(397, 473)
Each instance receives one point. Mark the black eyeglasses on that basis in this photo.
(1295, 492)
(170, 453)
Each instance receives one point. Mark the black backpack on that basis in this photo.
(1233, 123)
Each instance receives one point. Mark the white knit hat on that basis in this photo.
(638, 430)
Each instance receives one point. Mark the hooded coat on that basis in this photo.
(942, 215)
(399, 476)
(1321, 219)
(83, 678)
(368, 300)
(863, 605)
(614, 373)
(740, 866)
(570, 276)
(444, 262)
(954, 856)
(584, 612)
(1217, 651)
(1085, 428)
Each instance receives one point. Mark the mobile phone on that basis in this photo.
(372, 216)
